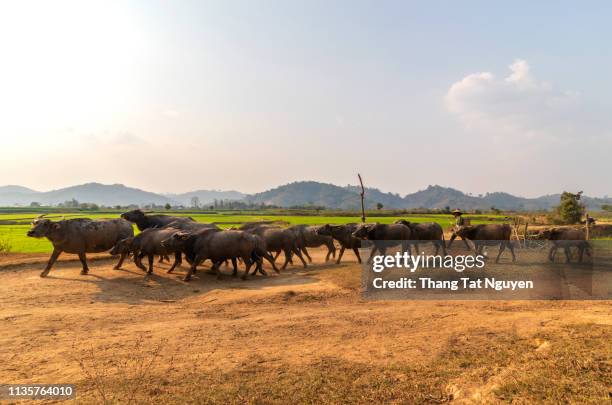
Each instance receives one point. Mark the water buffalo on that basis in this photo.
(566, 238)
(426, 231)
(218, 246)
(384, 236)
(149, 243)
(144, 221)
(80, 236)
(307, 237)
(277, 239)
(488, 235)
(344, 235)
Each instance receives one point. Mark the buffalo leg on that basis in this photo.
(270, 259)
(374, 249)
(277, 254)
(331, 251)
(194, 264)
(120, 262)
(52, 259)
(305, 251)
(299, 255)
(235, 264)
(287, 258)
(441, 244)
(568, 257)
(247, 263)
(83, 260)
(340, 255)
(151, 260)
(511, 247)
(551, 253)
(177, 261)
(138, 260)
(502, 247)
(357, 254)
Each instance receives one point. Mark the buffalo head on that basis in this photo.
(42, 227)
(365, 231)
(133, 216)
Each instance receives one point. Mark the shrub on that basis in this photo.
(570, 209)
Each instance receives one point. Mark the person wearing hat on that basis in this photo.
(459, 224)
(459, 221)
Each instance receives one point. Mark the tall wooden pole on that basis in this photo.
(363, 217)
(587, 226)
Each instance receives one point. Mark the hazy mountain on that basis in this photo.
(302, 193)
(206, 197)
(101, 194)
(308, 193)
(16, 189)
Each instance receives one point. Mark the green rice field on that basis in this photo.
(14, 226)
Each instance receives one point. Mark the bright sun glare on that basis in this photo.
(66, 65)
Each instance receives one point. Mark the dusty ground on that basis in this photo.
(305, 336)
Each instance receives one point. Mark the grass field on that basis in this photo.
(13, 233)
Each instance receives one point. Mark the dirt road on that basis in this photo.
(301, 336)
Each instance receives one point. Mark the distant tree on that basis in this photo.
(195, 202)
(212, 207)
(117, 207)
(570, 209)
(379, 206)
(167, 206)
(34, 204)
(606, 207)
(494, 210)
(446, 210)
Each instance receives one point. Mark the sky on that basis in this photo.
(249, 95)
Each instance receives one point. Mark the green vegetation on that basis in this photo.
(570, 210)
(14, 225)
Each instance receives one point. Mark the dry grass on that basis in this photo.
(304, 336)
(480, 366)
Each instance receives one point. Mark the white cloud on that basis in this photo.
(517, 105)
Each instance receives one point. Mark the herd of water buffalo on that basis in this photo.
(164, 236)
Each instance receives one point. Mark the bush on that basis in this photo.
(570, 210)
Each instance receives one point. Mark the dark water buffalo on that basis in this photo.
(80, 236)
(384, 236)
(344, 235)
(277, 240)
(307, 237)
(488, 235)
(149, 243)
(424, 232)
(218, 246)
(567, 238)
(189, 225)
(144, 221)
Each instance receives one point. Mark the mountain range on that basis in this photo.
(302, 193)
